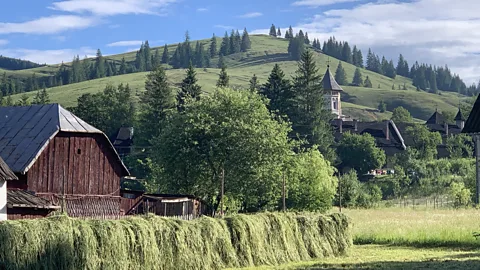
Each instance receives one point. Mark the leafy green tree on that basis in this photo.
(225, 46)
(223, 78)
(360, 152)
(460, 194)
(213, 46)
(165, 54)
(157, 99)
(401, 115)
(460, 146)
(189, 88)
(246, 43)
(279, 91)
(382, 106)
(254, 83)
(273, 31)
(311, 119)
(357, 78)
(41, 97)
(227, 131)
(424, 141)
(367, 83)
(350, 189)
(340, 75)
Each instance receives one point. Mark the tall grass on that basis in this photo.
(419, 228)
(158, 243)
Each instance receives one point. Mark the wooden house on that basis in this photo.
(61, 158)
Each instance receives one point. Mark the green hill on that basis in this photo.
(265, 52)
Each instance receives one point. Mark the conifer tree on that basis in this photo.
(296, 47)
(140, 62)
(254, 83)
(367, 83)
(186, 54)
(221, 61)
(307, 41)
(273, 31)
(290, 32)
(357, 78)
(311, 120)
(223, 78)
(340, 75)
(189, 88)
(41, 97)
(199, 56)
(165, 54)
(156, 59)
(301, 35)
(123, 66)
(9, 101)
(147, 56)
(347, 53)
(246, 43)
(109, 71)
(213, 46)
(393, 86)
(279, 33)
(279, 91)
(99, 65)
(225, 46)
(237, 42)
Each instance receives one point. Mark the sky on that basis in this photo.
(437, 32)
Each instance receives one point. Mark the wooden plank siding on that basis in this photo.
(80, 163)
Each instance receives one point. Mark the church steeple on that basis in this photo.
(332, 93)
(459, 119)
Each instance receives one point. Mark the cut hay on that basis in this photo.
(153, 242)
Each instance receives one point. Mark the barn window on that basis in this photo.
(79, 151)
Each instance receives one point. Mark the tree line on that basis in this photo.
(16, 64)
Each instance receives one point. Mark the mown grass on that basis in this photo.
(267, 51)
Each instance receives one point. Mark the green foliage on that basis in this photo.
(296, 47)
(230, 130)
(382, 106)
(213, 46)
(313, 186)
(360, 152)
(254, 84)
(152, 242)
(401, 115)
(461, 195)
(273, 31)
(367, 83)
(357, 78)
(246, 43)
(41, 97)
(165, 57)
(279, 92)
(225, 46)
(223, 78)
(424, 141)
(460, 146)
(340, 75)
(99, 65)
(23, 101)
(189, 88)
(353, 193)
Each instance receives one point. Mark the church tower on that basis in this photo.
(332, 94)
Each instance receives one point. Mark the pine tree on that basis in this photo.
(301, 35)
(225, 46)
(147, 56)
(279, 91)
(393, 86)
(9, 101)
(99, 65)
(307, 41)
(189, 88)
(186, 54)
(109, 71)
(254, 83)
(290, 32)
(156, 59)
(41, 97)
(213, 46)
(246, 43)
(357, 78)
(237, 42)
(140, 62)
(279, 33)
(223, 78)
(311, 120)
(221, 61)
(367, 83)
(347, 53)
(176, 60)
(123, 66)
(296, 47)
(273, 31)
(165, 54)
(340, 75)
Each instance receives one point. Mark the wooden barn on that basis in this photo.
(61, 158)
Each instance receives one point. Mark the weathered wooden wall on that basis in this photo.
(26, 213)
(76, 164)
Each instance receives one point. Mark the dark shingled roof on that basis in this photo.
(436, 118)
(472, 125)
(26, 130)
(124, 137)
(329, 82)
(26, 199)
(459, 116)
(5, 173)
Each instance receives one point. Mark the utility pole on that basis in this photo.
(340, 194)
(222, 191)
(283, 194)
(476, 138)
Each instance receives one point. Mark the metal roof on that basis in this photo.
(329, 83)
(472, 125)
(26, 130)
(436, 118)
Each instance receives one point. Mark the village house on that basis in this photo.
(61, 159)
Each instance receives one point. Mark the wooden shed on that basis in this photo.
(62, 158)
(169, 205)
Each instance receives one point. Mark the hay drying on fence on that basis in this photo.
(153, 242)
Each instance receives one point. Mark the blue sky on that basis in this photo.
(434, 31)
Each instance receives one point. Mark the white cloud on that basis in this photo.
(318, 3)
(251, 15)
(125, 43)
(226, 27)
(113, 7)
(437, 32)
(49, 25)
(3, 42)
(49, 56)
(202, 9)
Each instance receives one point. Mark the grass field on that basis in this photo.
(267, 51)
(402, 238)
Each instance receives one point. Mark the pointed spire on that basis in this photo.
(459, 116)
(329, 83)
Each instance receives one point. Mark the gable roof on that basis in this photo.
(329, 83)
(26, 130)
(436, 118)
(27, 199)
(472, 125)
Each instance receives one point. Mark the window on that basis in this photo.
(335, 104)
(79, 151)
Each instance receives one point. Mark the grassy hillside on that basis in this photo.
(266, 51)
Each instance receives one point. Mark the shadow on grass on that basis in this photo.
(458, 245)
(432, 264)
(263, 59)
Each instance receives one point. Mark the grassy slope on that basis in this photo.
(265, 52)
